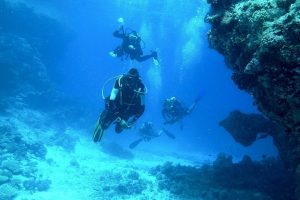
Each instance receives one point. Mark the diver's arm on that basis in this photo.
(138, 49)
(169, 119)
(119, 33)
(165, 116)
(113, 94)
(116, 89)
(142, 100)
(192, 107)
(141, 107)
(138, 114)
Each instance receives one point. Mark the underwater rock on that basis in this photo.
(28, 56)
(47, 35)
(260, 43)
(22, 73)
(116, 150)
(20, 64)
(247, 128)
(227, 180)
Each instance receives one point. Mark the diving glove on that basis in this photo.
(154, 55)
(123, 123)
(131, 47)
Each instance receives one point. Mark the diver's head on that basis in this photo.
(133, 36)
(133, 72)
(173, 99)
(148, 123)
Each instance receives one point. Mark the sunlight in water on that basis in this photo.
(154, 74)
(192, 48)
(132, 4)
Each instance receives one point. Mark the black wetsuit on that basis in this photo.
(124, 50)
(127, 104)
(173, 113)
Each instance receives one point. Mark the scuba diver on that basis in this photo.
(130, 47)
(147, 133)
(173, 110)
(124, 105)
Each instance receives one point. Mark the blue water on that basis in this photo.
(54, 63)
(188, 68)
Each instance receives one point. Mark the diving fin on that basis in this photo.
(98, 132)
(169, 134)
(135, 143)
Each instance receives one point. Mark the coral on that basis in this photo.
(28, 56)
(6, 173)
(13, 166)
(37, 185)
(3, 179)
(227, 180)
(259, 40)
(133, 175)
(46, 34)
(74, 163)
(38, 149)
(7, 192)
(260, 43)
(15, 161)
(13, 142)
(126, 183)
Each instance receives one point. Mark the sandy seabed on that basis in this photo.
(88, 173)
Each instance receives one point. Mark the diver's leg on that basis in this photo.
(106, 118)
(143, 58)
(168, 133)
(117, 52)
(191, 108)
(104, 121)
(98, 132)
(135, 143)
(119, 128)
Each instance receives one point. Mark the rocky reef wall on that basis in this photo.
(248, 128)
(227, 180)
(260, 42)
(30, 47)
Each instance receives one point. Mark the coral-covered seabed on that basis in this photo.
(43, 154)
(40, 161)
